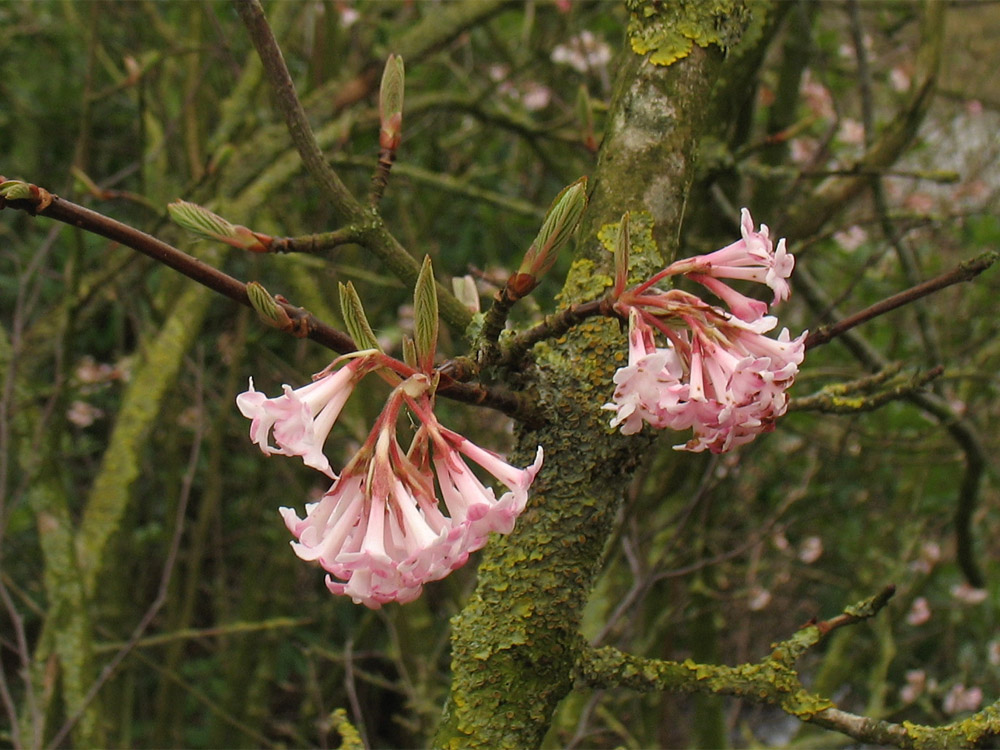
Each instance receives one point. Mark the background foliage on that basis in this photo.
(127, 106)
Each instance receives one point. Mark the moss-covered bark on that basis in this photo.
(516, 643)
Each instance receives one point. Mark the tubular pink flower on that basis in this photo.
(468, 500)
(379, 531)
(649, 388)
(721, 376)
(301, 419)
(751, 258)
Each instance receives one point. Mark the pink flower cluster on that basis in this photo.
(718, 373)
(380, 531)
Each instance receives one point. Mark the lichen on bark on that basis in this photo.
(669, 31)
(516, 643)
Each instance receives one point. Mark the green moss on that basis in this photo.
(667, 32)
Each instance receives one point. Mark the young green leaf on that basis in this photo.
(355, 319)
(425, 316)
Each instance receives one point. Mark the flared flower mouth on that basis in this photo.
(719, 374)
(393, 520)
(300, 420)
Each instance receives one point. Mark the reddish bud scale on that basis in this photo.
(519, 285)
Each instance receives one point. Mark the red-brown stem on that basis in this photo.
(305, 324)
(965, 271)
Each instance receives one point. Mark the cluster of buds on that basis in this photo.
(393, 519)
(718, 373)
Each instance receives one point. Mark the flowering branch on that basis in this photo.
(965, 271)
(37, 201)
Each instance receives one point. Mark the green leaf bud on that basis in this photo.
(425, 316)
(355, 319)
(267, 307)
(560, 222)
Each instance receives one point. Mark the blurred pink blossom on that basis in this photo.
(916, 682)
(920, 612)
(583, 52)
(83, 414)
(851, 132)
(759, 598)
(850, 239)
(930, 553)
(816, 96)
(899, 79)
(968, 594)
(961, 699)
(803, 150)
(811, 550)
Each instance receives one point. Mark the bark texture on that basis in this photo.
(516, 643)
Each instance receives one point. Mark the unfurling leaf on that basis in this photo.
(390, 103)
(560, 222)
(201, 221)
(425, 316)
(355, 319)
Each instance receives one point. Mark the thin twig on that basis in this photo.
(375, 236)
(965, 271)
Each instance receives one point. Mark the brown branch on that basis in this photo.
(374, 235)
(965, 271)
(96, 223)
(304, 324)
(316, 243)
(555, 325)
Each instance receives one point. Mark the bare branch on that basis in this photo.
(374, 235)
(965, 271)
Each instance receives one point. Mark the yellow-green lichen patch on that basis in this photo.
(583, 282)
(644, 256)
(667, 31)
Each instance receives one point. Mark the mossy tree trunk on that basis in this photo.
(516, 642)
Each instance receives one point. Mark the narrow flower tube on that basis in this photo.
(300, 420)
(380, 531)
(718, 375)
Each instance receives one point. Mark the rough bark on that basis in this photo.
(516, 643)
